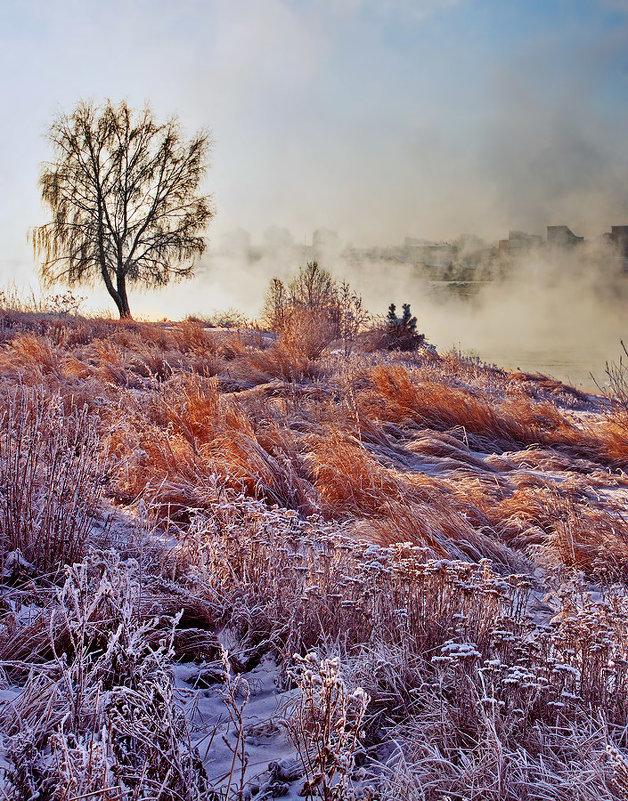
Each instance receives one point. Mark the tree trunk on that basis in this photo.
(123, 301)
(119, 299)
(114, 293)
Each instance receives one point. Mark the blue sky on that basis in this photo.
(379, 119)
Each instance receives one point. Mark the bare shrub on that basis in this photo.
(313, 310)
(306, 332)
(230, 318)
(353, 316)
(275, 305)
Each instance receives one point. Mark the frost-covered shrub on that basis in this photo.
(101, 715)
(51, 478)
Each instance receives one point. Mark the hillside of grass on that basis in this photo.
(242, 565)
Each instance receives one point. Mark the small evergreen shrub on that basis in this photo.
(400, 333)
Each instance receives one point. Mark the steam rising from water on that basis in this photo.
(557, 311)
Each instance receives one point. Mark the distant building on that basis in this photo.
(275, 238)
(562, 236)
(437, 255)
(619, 237)
(325, 241)
(440, 256)
(519, 242)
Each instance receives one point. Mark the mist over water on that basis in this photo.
(556, 311)
(560, 313)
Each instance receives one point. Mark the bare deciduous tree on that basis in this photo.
(123, 192)
(276, 303)
(313, 287)
(353, 315)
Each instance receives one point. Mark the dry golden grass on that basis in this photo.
(442, 452)
(612, 438)
(491, 423)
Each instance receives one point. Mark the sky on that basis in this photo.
(377, 118)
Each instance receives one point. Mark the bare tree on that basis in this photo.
(313, 287)
(353, 315)
(123, 195)
(276, 303)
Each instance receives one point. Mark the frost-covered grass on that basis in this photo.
(430, 554)
(52, 470)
